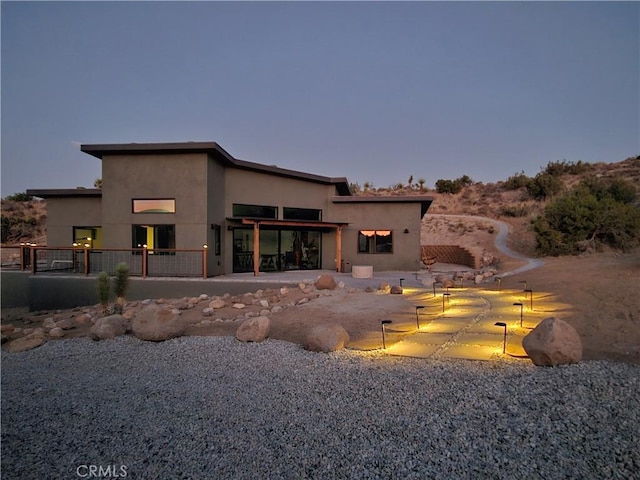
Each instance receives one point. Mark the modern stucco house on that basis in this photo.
(252, 217)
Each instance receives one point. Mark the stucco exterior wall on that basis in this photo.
(256, 188)
(182, 177)
(396, 217)
(67, 212)
(216, 193)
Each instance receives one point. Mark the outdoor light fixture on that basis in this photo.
(519, 304)
(205, 246)
(499, 280)
(434, 289)
(401, 280)
(504, 340)
(528, 290)
(383, 323)
(447, 295)
(419, 307)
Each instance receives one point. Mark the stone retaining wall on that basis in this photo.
(451, 254)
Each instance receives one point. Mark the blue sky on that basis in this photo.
(374, 91)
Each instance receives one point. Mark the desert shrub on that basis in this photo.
(103, 288)
(517, 181)
(447, 186)
(514, 211)
(590, 212)
(453, 186)
(121, 280)
(544, 185)
(571, 168)
(19, 197)
(354, 188)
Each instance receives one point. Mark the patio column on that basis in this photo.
(256, 249)
(339, 249)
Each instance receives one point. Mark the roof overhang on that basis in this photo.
(289, 223)
(65, 192)
(424, 200)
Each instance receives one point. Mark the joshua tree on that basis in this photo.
(367, 186)
(410, 181)
(421, 182)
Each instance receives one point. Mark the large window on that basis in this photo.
(254, 211)
(157, 205)
(90, 237)
(154, 236)
(375, 241)
(290, 213)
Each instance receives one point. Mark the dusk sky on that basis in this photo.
(368, 90)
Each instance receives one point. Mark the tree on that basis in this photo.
(544, 185)
(97, 183)
(592, 212)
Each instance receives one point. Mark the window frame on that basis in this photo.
(236, 213)
(372, 244)
(170, 210)
(303, 211)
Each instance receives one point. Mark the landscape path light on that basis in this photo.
(529, 291)
(499, 280)
(504, 338)
(383, 323)
(446, 295)
(419, 307)
(401, 280)
(434, 288)
(519, 304)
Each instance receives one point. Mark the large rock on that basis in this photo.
(27, 342)
(326, 338)
(396, 290)
(553, 342)
(109, 327)
(156, 324)
(217, 303)
(326, 282)
(253, 330)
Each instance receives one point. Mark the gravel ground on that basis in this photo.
(212, 407)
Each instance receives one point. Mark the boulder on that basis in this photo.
(254, 329)
(326, 338)
(217, 303)
(109, 327)
(156, 324)
(66, 324)
(326, 282)
(479, 279)
(27, 342)
(396, 290)
(553, 342)
(56, 332)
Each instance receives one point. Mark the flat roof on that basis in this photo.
(424, 200)
(217, 152)
(65, 192)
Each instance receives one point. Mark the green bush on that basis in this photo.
(19, 197)
(570, 168)
(121, 280)
(592, 211)
(517, 181)
(453, 186)
(514, 211)
(544, 185)
(103, 287)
